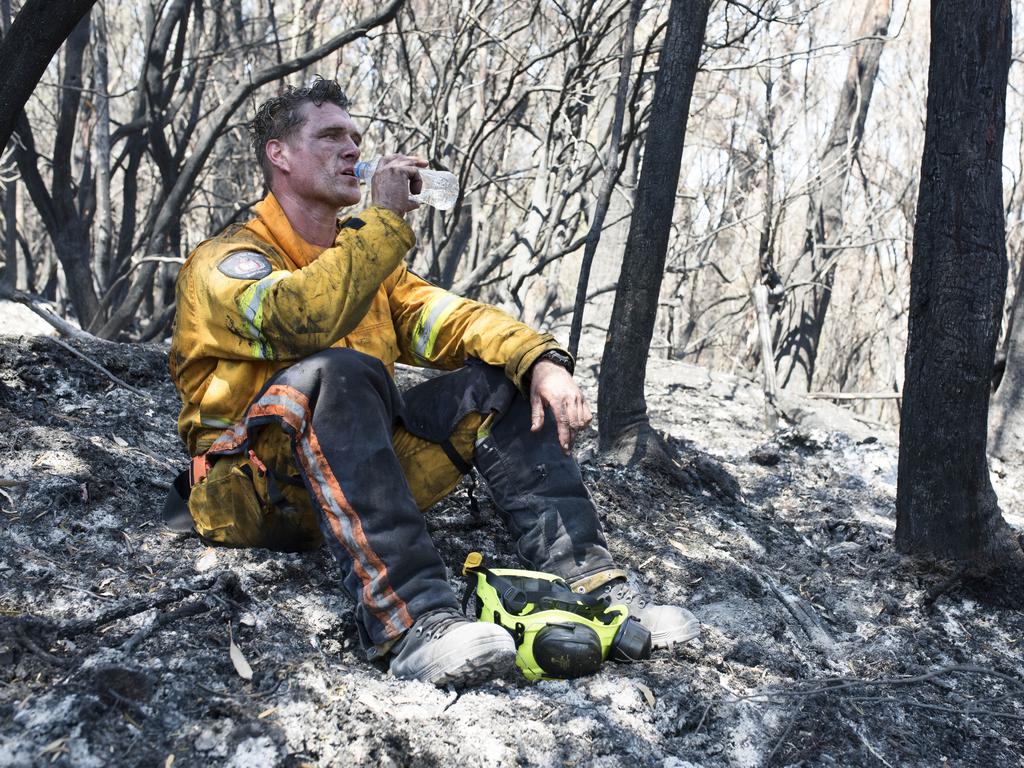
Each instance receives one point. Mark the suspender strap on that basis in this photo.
(455, 458)
(466, 469)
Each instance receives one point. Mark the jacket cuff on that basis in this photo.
(518, 368)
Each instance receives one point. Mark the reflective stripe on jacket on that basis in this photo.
(233, 331)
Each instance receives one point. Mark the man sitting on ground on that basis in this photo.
(287, 331)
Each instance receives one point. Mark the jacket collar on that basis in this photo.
(271, 224)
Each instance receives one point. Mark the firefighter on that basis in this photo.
(287, 331)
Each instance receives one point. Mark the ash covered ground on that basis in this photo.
(820, 645)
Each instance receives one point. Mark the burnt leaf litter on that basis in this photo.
(124, 644)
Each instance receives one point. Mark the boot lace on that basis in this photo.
(436, 623)
(621, 592)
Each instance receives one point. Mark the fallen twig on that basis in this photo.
(120, 382)
(853, 395)
(867, 744)
(181, 612)
(22, 636)
(221, 588)
(785, 733)
(83, 590)
(63, 327)
(842, 683)
(134, 607)
(219, 592)
(215, 692)
(834, 685)
(803, 613)
(938, 707)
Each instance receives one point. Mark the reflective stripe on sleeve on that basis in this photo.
(250, 304)
(429, 324)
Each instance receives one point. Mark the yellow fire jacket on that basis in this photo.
(257, 298)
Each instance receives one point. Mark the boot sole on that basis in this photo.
(493, 659)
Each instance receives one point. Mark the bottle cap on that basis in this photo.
(362, 169)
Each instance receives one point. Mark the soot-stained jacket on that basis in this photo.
(257, 298)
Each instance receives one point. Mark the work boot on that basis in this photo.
(668, 624)
(443, 647)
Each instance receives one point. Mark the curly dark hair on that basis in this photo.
(281, 116)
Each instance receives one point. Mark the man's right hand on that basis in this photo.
(396, 177)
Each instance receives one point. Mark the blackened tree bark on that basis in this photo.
(622, 407)
(945, 505)
(65, 217)
(37, 32)
(613, 169)
(803, 315)
(101, 252)
(9, 274)
(1006, 416)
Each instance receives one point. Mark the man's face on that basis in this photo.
(316, 162)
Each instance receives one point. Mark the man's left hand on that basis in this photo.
(552, 386)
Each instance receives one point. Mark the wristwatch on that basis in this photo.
(558, 357)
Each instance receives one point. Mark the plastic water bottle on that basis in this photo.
(440, 188)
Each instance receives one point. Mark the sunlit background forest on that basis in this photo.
(800, 170)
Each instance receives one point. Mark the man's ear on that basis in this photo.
(277, 154)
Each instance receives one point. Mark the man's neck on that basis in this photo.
(316, 224)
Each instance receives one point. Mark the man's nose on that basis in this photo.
(350, 150)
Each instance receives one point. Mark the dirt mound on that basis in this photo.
(122, 644)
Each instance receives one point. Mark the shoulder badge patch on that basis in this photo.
(245, 265)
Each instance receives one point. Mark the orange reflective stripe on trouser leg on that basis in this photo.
(292, 407)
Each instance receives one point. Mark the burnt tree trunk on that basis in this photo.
(102, 253)
(945, 505)
(1006, 416)
(37, 32)
(71, 234)
(9, 275)
(613, 168)
(60, 207)
(622, 407)
(803, 318)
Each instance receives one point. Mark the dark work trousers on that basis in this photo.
(339, 408)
